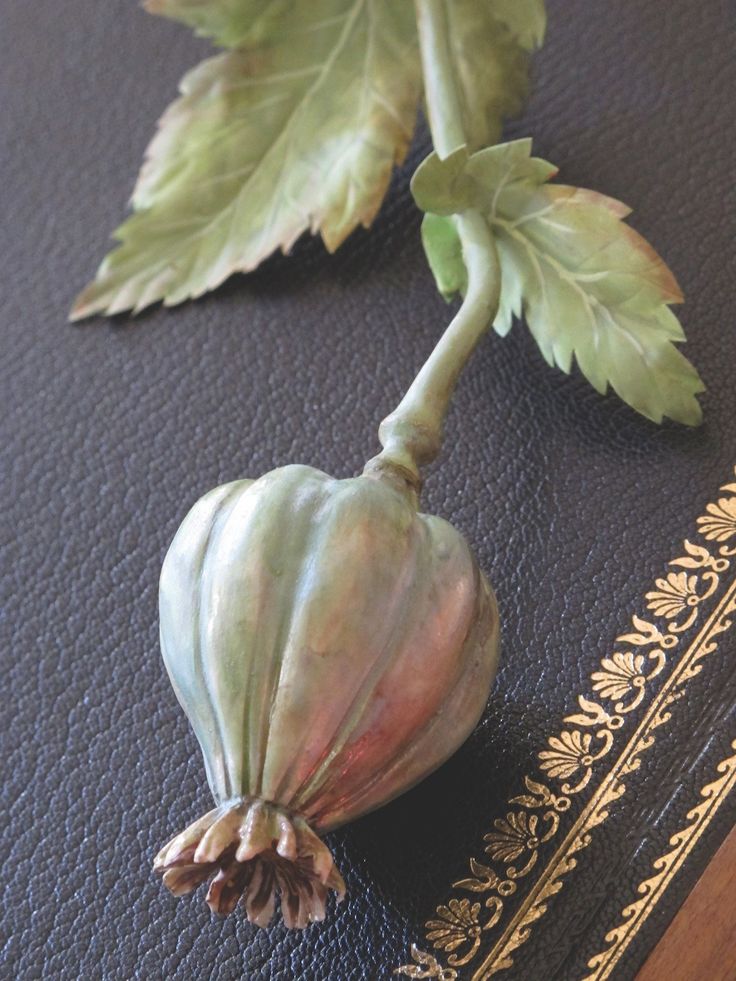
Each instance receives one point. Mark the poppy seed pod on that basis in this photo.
(331, 647)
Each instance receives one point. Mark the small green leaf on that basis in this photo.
(443, 185)
(502, 167)
(445, 255)
(265, 143)
(449, 185)
(490, 42)
(590, 287)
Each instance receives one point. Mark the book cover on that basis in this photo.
(561, 839)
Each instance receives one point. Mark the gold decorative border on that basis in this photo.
(674, 608)
(666, 868)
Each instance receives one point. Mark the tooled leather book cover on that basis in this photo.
(563, 836)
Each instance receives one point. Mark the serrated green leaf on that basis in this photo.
(230, 23)
(445, 254)
(263, 144)
(490, 42)
(503, 167)
(448, 185)
(590, 287)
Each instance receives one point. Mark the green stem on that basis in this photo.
(441, 95)
(412, 435)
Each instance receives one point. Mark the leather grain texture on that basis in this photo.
(110, 431)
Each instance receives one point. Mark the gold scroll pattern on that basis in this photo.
(697, 595)
(665, 869)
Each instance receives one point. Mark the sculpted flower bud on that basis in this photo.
(331, 647)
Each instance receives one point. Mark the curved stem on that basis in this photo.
(412, 435)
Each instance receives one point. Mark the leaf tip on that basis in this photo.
(81, 307)
(693, 415)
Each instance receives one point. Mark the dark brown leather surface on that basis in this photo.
(111, 430)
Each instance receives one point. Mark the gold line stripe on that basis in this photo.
(484, 972)
(612, 956)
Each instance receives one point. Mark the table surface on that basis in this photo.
(701, 940)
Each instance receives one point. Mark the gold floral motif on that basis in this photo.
(678, 593)
(515, 834)
(570, 751)
(673, 594)
(621, 674)
(458, 925)
(626, 674)
(574, 753)
(719, 524)
(519, 834)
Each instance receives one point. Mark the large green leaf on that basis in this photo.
(526, 19)
(301, 132)
(230, 23)
(490, 41)
(588, 285)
